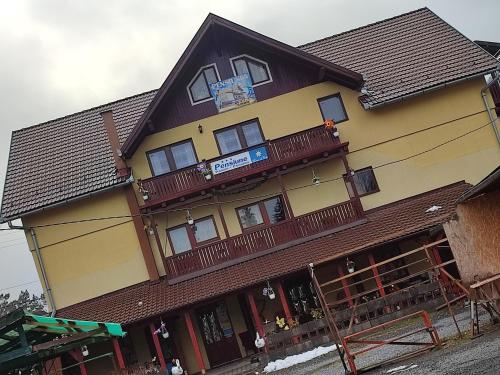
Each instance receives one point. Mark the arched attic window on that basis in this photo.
(199, 87)
(257, 70)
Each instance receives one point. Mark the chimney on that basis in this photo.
(110, 126)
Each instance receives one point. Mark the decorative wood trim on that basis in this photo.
(147, 252)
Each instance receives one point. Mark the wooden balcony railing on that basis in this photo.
(307, 144)
(247, 245)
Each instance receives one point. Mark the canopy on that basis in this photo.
(27, 339)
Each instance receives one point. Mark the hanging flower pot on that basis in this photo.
(329, 124)
(204, 169)
(350, 266)
(85, 351)
(259, 342)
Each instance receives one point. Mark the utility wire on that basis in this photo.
(19, 285)
(286, 190)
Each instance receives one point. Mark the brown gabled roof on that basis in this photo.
(332, 70)
(65, 158)
(487, 185)
(383, 224)
(398, 57)
(404, 55)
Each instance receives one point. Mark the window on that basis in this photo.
(172, 157)
(257, 70)
(269, 211)
(332, 108)
(185, 237)
(199, 87)
(239, 136)
(365, 182)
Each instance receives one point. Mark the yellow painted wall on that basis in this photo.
(85, 260)
(372, 135)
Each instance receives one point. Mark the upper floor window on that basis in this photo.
(185, 237)
(172, 157)
(257, 70)
(238, 137)
(365, 182)
(199, 87)
(269, 211)
(332, 108)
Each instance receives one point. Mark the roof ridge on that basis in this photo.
(364, 26)
(83, 111)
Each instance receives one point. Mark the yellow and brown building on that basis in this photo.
(180, 205)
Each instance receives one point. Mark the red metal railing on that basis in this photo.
(250, 243)
(281, 151)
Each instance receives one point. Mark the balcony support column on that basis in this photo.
(350, 179)
(376, 275)
(158, 242)
(156, 342)
(285, 195)
(256, 317)
(78, 357)
(118, 353)
(194, 342)
(345, 286)
(221, 215)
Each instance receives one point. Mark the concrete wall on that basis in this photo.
(474, 237)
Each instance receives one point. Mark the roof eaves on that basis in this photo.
(481, 186)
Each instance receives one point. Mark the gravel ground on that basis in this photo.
(465, 357)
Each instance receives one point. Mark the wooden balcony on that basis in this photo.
(261, 241)
(287, 151)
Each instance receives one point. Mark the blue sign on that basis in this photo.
(239, 160)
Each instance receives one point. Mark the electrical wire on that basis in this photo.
(286, 190)
(19, 285)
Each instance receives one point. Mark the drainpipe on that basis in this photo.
(488, 109)
(50, 298)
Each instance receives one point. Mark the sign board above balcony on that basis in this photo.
(239, 160)
(233, 92)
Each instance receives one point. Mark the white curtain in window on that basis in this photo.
(252, 134)
(204, 230)
(258, 71)
(332, 109)
(228, 141)
(159, 162)
(250, 216)
(183, 154)
(180, 239)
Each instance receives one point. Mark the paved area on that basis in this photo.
(479, 356)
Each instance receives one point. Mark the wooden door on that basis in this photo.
(218, 334)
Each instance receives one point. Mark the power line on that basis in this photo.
(19, 285)
(286, 190)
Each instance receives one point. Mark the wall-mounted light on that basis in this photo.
(200, 128)
(350, 266)
(151, 230)
(315, 179)
(189, 218)
(163, 330)
(85, 351)
(351, 171)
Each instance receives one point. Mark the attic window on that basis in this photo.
(257, 70)
(199, 87)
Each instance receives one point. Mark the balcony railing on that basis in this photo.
(287, 150)
(248, 245)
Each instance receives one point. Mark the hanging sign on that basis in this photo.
(233, 92)
(239, 160)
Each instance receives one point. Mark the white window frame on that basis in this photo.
(256, 59)
(214, 65)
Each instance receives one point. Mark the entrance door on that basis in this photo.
(218, 334)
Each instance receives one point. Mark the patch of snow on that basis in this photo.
(298, 358)
(433, 209)
(401, 368)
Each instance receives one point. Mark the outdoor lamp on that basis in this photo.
(269, 291)
(189, 218)
(315, 179)
(85, 351)
(200, 128)
(163, 330)
(151, 230)
(350, 266)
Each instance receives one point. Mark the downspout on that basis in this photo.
(50, 298)
(488, 109)
(42, 267)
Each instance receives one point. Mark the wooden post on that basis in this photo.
(351, 181)
(158, 242)
(285, 195)
(159, 352)
(194, 342)
(256, 317)
(284, 302)
(78, 357)
(437, 258)
(118, 353)
(221, 215)
(376, 276)
(345, 286)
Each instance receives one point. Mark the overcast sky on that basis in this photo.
(60, 57)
